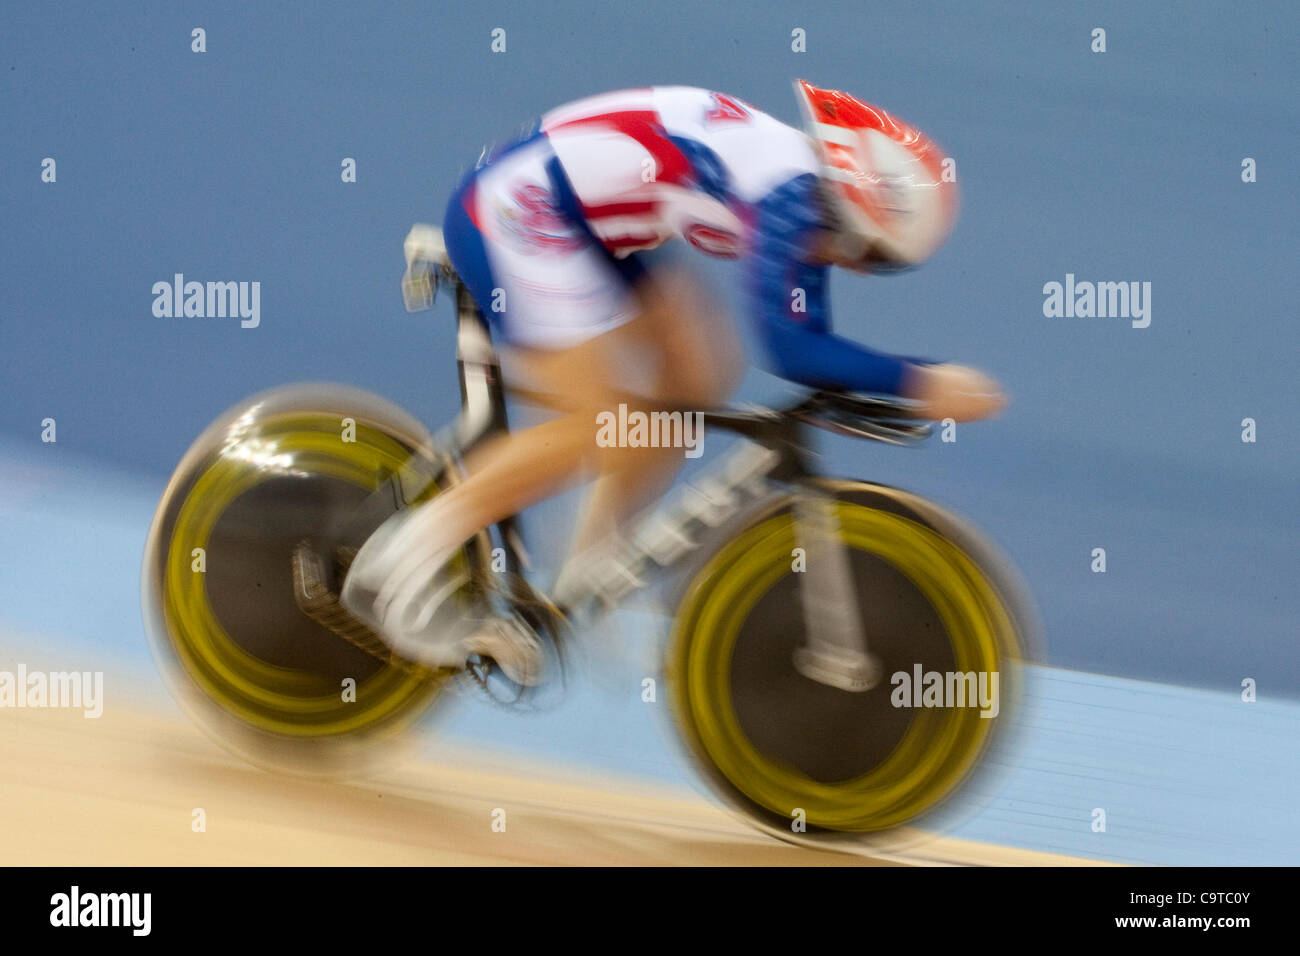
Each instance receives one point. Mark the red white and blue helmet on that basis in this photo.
(885, 178)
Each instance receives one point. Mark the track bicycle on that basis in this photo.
(842, 654)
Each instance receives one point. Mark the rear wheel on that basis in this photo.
(809, 761)
(256, 671)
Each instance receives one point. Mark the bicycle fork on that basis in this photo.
(835, 650)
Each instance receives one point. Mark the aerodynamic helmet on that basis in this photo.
(883, 177)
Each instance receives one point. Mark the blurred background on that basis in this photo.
(1117, 166)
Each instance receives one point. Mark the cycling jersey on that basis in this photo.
(545, 232)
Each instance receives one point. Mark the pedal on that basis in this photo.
(316, 592)
(550, 625)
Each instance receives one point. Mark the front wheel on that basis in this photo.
(942, 615)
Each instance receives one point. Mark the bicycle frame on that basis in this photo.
(779, 453)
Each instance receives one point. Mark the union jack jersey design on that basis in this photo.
(555, 219)
(649, 165)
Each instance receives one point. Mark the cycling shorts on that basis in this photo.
(516, 237)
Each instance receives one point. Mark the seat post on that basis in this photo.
(483, 402)
(482, 391)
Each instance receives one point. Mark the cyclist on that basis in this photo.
(545, 233)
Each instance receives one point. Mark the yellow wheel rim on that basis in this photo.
(939, 746)
(277, 699)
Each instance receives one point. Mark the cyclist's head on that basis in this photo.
(889, 206)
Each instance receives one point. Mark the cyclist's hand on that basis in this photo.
(954, 391)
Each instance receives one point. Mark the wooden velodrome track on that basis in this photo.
(122, 790)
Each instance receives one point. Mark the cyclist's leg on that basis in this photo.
(693, 363)
(698, 364)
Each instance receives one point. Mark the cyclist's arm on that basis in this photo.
(801, 345)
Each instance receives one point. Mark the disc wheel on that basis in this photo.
(253, 669)
(807, 760)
